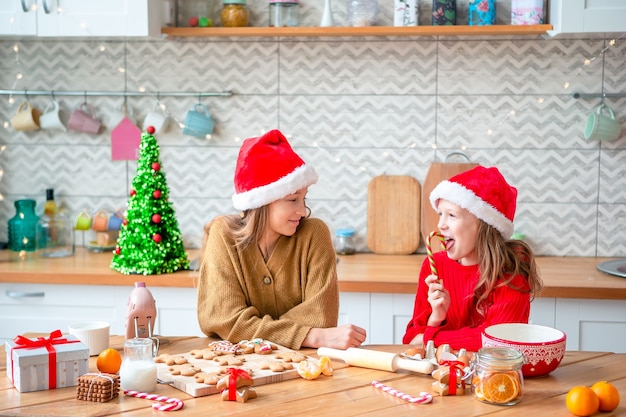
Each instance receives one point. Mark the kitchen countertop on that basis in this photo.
(564, 277)
(348, 392)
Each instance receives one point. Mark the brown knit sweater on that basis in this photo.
(240, 297)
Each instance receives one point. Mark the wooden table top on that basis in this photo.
(564, 277)
(347, 393)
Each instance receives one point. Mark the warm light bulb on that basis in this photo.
(102, 48)
(207, 136)
(16, 48)
(142, 89)
(121, 70)
(11, 100)
(19, 76)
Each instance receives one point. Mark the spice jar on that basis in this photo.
(283, 13)
(497, 376)
(234, 13)
(138, 371)
(344, 244)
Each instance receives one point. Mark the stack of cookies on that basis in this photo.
(98, 387)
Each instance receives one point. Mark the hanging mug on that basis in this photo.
(198, 122)
(601, 126)
(157, 119)
(51, 117)
(83, 119)
(26, 118)
(120, 113)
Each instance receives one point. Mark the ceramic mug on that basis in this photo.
(198, 122)
(83, 119)
(157, 119)
(120, 114)
(83, 221)
(26, 118)
(601, 126)
(115, 221)
(100, 222)
(51, 117)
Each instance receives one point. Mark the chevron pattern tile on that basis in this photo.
(353, 108)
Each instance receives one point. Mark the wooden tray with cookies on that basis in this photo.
(197, 372)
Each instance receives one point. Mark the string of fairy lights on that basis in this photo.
(20, 79)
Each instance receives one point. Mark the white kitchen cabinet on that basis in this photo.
(18, 17)
(354, 308)
(584, 16)
(82, 18)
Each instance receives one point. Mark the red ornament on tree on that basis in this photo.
(150, 129)
(156, 237)
(125, 222)
(156, 166)
(156, 194)
(118, 250)
(133, 193)
(156, 218)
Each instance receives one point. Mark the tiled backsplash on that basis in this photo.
(353, 107)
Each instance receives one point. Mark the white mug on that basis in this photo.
(118, 114)
(157, 119)
(51, 118)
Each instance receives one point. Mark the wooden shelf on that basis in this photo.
(336, 31)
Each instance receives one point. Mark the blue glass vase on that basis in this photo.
(481, 13)
(23, 227)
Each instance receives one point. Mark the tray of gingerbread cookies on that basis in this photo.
(198, 372)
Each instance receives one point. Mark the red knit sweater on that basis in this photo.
(463, 325)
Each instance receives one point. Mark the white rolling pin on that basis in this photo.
(374, 359)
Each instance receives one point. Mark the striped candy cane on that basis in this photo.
(170, 404)
(424, 397)
(429, 250)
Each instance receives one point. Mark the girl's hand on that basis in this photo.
(439, 300)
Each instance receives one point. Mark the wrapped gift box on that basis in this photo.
(46, 362)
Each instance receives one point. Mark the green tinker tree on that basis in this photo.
(149, 241)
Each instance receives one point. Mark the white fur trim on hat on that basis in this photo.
(465, 198)
(301, 177)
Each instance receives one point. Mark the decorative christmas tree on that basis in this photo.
(149, 241)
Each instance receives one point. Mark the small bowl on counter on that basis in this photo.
(543, 347)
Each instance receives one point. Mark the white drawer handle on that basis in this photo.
(20, 294)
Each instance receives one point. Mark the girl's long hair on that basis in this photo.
(499, 261)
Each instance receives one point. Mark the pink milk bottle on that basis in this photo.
(141, 312)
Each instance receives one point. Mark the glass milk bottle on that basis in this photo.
(138, 371)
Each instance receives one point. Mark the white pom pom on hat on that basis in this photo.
(483, 192)
(267, 170)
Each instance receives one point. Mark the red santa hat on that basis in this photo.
(267, 170)
(483, 192)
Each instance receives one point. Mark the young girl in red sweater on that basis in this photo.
(484, 277)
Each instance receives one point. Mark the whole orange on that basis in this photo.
(109, 361)
(608, 395)
(582, 401)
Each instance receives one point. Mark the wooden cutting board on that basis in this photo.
(393, 214)
(252, 361)
(437, 172)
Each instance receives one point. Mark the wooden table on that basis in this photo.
(347, 393)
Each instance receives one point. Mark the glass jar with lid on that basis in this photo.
(497, 375)
(234, 13)
(344, 241)
(283, 13)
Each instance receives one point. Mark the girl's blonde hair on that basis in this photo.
(499, 261)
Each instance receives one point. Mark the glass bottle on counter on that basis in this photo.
(498, 375)
(23, 230)
(138, 371)
(344, 241)
(283, 13)
(234, 13)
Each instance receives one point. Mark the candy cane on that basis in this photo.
(429, 250)
(424, 397)
(171, 404)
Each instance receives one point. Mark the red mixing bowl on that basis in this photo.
(543, 347)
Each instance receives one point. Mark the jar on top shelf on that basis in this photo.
(234, 13)
(283, 13)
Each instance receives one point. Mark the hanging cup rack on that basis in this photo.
(157, 94)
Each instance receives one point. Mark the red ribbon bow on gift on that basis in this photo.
(233, 376)
(47, 342)
(454, 366)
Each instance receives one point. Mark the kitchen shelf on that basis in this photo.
(336, 31)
